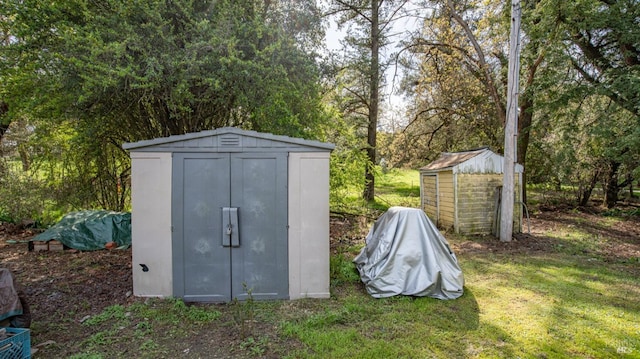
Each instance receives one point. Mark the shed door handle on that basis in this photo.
(230, 233)
(235, 233)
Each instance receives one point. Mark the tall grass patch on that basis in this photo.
(398, 187)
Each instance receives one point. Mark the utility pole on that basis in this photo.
(510, 132)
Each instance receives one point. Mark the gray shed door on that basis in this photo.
(229, 226)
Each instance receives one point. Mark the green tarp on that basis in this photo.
(90, 230)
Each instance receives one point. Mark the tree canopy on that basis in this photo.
(86, 76)
(148, 69)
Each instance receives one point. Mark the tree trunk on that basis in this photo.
(611, 185)
(524, 124)
(24, 158)
(3, 130)
(4, 108)
(369, 191)
(526, 118)
(585, 192)
(501, 111)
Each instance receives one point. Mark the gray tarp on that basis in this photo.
(90, 230)
(406, 254)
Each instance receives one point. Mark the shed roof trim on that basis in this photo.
(221, 132)
(450, 159)
(481, 160)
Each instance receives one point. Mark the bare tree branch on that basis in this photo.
(489, 82)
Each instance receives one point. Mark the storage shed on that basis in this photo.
(218, 213)
(461, 190)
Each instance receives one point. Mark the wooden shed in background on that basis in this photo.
(461, 190)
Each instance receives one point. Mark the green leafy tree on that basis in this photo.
(602, 40)
(5, 40)
(571, 50)
(169, 67)
(584, 148)
(595, 56)
(111, 72)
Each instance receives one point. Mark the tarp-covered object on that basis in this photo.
(90, 230)
(14, 309)
(9, 301)
(406, 254)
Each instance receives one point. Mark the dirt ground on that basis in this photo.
(623, 239)
(68, 286)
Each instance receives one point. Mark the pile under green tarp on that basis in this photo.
(90, 230)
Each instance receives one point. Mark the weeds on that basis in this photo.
(115, 312)
(195, 313)
(244, 313)
(255, 347)
(148, 344)
(86, 356)
(617, 212)
(342, 270)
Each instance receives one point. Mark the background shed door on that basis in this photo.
(205, 267)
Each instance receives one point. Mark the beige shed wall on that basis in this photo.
(151, 223)
(477, 202)
(308, 225)
(430, 196)
(446, 198)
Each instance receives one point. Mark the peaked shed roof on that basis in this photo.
(481, 160)
(227, 139)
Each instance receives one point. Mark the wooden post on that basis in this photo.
(510, 132)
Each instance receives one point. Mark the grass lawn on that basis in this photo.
(566, 297)
(549, 305)
(398, 188)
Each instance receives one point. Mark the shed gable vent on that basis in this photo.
(229, 141)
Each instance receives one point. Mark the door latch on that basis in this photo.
(230, 235)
